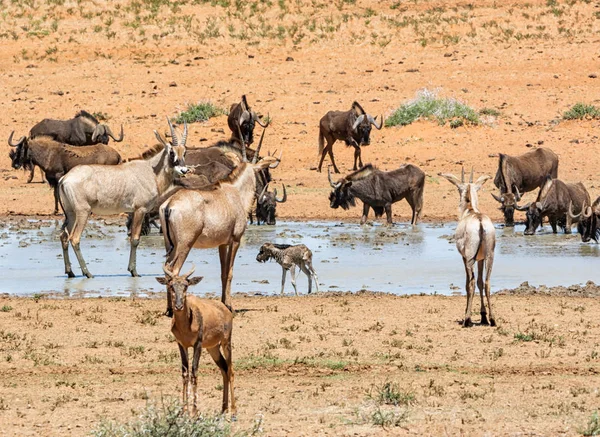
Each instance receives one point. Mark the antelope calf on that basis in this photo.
(475, 240)
(288, 257)
(200, 323)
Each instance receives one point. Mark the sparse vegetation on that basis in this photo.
(390, 394)
(593, 426)
(198, 112)
(581, 111)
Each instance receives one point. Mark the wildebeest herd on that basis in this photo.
(204, 198)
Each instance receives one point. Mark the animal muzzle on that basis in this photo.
(529, 231)
(180, 169)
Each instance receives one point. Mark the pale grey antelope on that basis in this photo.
(134, 186)
(475, 240)
(213, 216)
(288, 257)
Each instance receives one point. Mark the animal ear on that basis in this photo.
(99, 130)
(195, 280)
(161, 280)
(451, 178)
(482, 180)
(348, 184)
(538, 205)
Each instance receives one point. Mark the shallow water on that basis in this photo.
(347, 257)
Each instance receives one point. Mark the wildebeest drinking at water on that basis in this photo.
(589, 219)
(379, 190)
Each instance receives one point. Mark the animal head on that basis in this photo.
(508, 203)
(242, 119)
(467, 190)
(534, 210)
(177, 285)
(361, 128)
(100, 132)
(267, 204)
(342, 196)
(587, 225)
(265, 253)
(19, 153)
(176, 149)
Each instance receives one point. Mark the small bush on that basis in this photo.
(198, 112)
(581, 111)
(593, 426)
(489, 111)
(428, 106)
(390, 394)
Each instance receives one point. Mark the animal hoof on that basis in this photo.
(70, 274)
(484, 320)
(88, 275)
(134, 273)
(467, 323)
(492, 322)
(169, 312)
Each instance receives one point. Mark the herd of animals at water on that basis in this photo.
(204, 198)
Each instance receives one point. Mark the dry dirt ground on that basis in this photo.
(310, 366)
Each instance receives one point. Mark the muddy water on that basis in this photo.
(347, 257)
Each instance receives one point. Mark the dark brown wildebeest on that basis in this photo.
(521, 174)
(266, 205)
(56, 159)
(589, 218)
(82, 130)
(379, 190)
(353, 127)
(241, 120)
(553, 201)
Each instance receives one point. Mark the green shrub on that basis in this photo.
(593, 426)
(198, 112)
(581, 111)
(429, 107)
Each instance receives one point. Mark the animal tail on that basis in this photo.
(321, 143)
(378, 210)
(167, 231)
(229, 307)
(481, 235)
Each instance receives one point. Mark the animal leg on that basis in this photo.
(329, 149)
(218, 358)
(480, 265)
(489, 262)
(226, 346)
(470, 286)
(309, 272)
(195, 361)
(553, 223)
(416, 203)
(388, 214)
(136, 230)
(365, 213)
(55, 198)
(75, 237)
(184, 374)
(357, 157)
(283, 279)
(568, 224)
(67, 228)
(233, 248)
(31, 173)
(293, 273)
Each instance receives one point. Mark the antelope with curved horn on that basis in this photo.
(214, 216)
(133, 186)
(200, 323)
(475, 240)
(353, 127)
(241, 121)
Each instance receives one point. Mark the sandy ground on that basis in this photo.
(311, 365)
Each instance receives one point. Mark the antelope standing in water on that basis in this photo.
(475, 240)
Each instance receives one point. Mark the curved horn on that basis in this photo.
(518, 194)
(190, 273)
(373, 121)
(244, 157)
(358, 121)
(110, 134)
(276, 164)
(333, 184)
(262, 193)
(98, 130)
(471, 176)
(587, 213)
(258, 120)
(244, 117)
(18, 143)
(573, 216)
(462, 175)
(255, 158)
(522, 208)
(174, 139)
(185, 134)
(498, 199)
(168, 272)
(284, 198)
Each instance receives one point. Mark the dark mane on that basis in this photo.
(362, 173)
(87, 115)
(149, 153)
(282, 246)
(356, 106)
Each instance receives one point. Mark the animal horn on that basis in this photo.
(244, 117)
(168, 272)
(518, 194)
(471, 177)
(498, 199)
(276, 164)
(262, 193)
(373, 121)
(190, 273)
(333, 184)
(257, 119)
(588, 212)
(18, 143)
(462, 175)
(282, 200)
(110, 134)
(185, 133)
(358, 121)
(573, 216)
(244, 157)
(255, 158)
(174, 140)
(522, 208)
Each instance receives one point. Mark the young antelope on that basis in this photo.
(288, 257)
(199, 323)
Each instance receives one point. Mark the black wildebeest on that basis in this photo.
(266, 204)
(353, 127)
(241, 121)
(56, 159)
(82, 130)
(589, 218)
(521, 174)
(379, 190)
(553, 201)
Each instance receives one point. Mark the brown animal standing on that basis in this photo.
(241, 121)
(353, 127)
(200, 323)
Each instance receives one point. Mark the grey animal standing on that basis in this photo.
(57, 159)
(82, 130)
(266, 205)
(475, 240)
(353, 127)
(241, 121)
(288, 257)
(133, 186)
(517, 175)
(379, 190)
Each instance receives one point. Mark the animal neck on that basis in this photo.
(38, 155)
(163, 171)
(469, 203)
(245, 183)
(182, 319)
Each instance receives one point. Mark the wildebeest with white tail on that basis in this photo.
(379, 190)
(134, 186)
(521, 174)
(353, 127)
(475, 240)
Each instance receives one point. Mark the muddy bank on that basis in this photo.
(590, 289)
